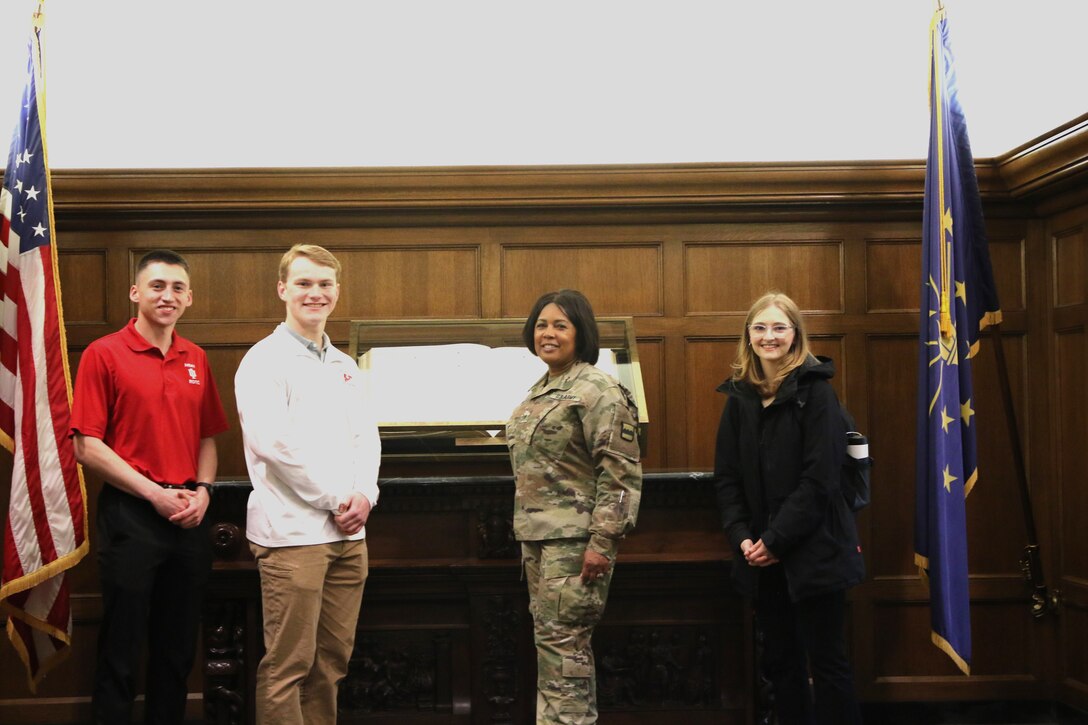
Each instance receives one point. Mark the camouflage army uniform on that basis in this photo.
(574, 449)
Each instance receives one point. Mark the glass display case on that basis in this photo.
(443, 388)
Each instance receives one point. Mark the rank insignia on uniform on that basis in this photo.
(627, 431)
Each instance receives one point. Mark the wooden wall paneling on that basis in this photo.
(83, 286)
(1070, 266)
(491, 274)
(728, 277)
(995, 520)
(224, 361)
(618, 279)
(892, 271)
(892, 397)
(831, 346)
(1072, 442)
(1063, 247)
(1073, 555)
(651, 353)
(418, 282)
(707, 364)
(1008, 256)
(684, 250)
(376, 283)
(672, 350)
(905, 662)
(233, 284)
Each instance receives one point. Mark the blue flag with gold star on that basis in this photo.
(958, 300)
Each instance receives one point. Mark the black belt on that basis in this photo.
(190, 486)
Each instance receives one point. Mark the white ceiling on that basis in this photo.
(248, 83)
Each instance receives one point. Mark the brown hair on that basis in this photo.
(747, 365)
(166, 256)
(318, 255)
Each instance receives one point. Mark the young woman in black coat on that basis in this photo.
(780, 447)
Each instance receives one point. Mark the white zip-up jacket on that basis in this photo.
(310, 440)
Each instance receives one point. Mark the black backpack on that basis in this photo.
(857, 464)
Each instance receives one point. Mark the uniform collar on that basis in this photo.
(564, 381)
(138, 343)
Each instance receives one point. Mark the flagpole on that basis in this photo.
(1031, 564)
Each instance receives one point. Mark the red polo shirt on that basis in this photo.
(150, 409)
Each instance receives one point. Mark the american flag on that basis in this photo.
(46, 529)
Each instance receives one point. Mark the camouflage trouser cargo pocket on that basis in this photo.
(562, 597)
(564, 613)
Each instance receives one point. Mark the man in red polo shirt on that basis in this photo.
(144, 412)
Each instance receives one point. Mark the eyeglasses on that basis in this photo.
(759, 330)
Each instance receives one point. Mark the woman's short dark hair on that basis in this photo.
(580, 313)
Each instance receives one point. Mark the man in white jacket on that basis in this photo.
(312, 450)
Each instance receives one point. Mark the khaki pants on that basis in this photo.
(565, 611)
(310, 596)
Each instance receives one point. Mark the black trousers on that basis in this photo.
(154, 575)
(801, 639)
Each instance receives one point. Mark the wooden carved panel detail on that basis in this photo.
(504, 620)
(495, 526)
(397, 671)
(225, 656)
(727, 278)
(659, 667)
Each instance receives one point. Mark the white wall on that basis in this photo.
(169, 83)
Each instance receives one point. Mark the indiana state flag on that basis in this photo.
(958, 300)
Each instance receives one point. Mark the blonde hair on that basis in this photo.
(747, 365)
(318, 255)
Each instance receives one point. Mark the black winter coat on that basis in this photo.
(777, 474)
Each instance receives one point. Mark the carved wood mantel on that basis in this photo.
(444, 633)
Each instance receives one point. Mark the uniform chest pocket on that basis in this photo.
(545, 427)
(556, 428)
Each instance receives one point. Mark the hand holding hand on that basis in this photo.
(352, 514)
(196, 506)
(168, 502)
(759, 555)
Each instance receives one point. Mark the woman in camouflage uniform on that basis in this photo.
(574, 450)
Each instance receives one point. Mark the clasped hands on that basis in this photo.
(757, 554)
(180, 506)
(352, 514)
